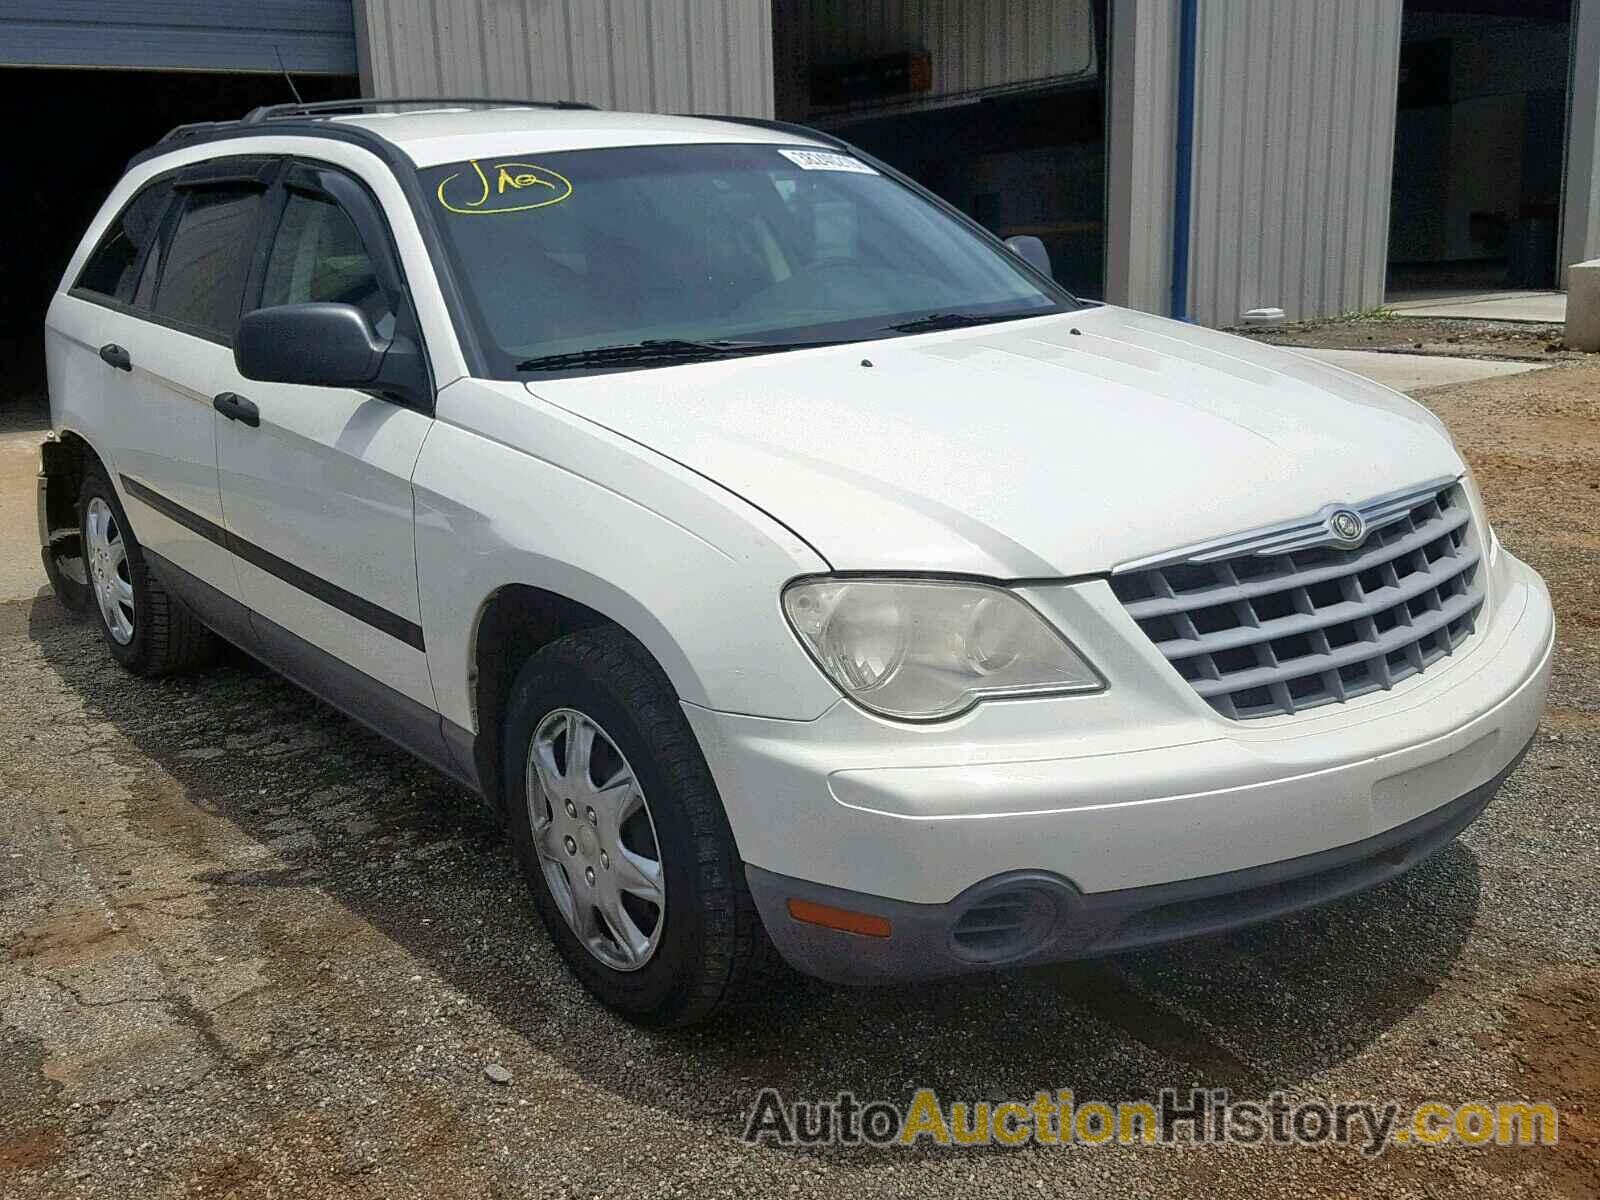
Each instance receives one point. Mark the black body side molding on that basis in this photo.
(331, 594)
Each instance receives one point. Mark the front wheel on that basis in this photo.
(622, 836)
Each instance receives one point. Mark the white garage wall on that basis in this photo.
(1580, 235)
(710, 56)
(1140, 152)
(1293, 150)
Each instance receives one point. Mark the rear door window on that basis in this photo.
(113, 268)
(203, 275)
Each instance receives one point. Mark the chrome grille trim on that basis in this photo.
(1284, 624)
(1298, 534)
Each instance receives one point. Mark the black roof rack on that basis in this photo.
(328, 108)
(179, 133)
(276, 111)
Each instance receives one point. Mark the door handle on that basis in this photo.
(114, 355)
(236, 408)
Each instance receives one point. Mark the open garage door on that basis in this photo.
(1479, 141)
(315, 36)
(86, 84)
(998, 107)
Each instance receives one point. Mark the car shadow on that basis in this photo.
(424, 863)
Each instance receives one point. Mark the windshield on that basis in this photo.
(655, 254)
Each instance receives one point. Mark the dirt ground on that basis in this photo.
(1397, 332)
(250, 950)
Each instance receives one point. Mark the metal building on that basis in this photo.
(1193, 157)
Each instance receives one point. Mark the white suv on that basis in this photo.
(794, 565)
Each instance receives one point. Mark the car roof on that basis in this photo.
(429, 131)
(443, 135)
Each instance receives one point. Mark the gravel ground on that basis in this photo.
(1403, 334)
(251, 950)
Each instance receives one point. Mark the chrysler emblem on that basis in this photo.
(1347, 526)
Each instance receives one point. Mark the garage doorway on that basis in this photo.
(998, 108)
(1480, 137)
(71, 132)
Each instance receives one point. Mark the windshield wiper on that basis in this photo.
(664, 350)
(955, 320)
(658, 351)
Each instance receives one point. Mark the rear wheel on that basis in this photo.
(146, 630)
(110, 569)
(622, 835)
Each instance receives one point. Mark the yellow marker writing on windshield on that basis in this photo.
(510, 191)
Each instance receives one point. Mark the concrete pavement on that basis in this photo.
(21, 572)
(1409, 372)
(1535, 307)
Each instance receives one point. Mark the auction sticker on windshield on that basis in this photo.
(825, 160)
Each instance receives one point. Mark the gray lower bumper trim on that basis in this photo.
(1050, 920)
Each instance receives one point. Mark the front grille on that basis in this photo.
(1260, 635)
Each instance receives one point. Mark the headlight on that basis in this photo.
(920, 650)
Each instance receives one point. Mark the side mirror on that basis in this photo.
(327, 345)
(1031, 251)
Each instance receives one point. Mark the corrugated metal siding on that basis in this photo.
(712, 56)
(314, 36)
(1580, 236)
(1294, 138)
(978, 47)
(1143, 79)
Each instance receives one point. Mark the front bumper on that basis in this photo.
(1028, 917)
(1141, 787)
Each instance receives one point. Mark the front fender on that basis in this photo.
(685, 566)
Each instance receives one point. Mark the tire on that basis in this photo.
(709, 948)
(74, 594)
(154, 634)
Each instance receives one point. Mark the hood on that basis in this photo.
(1054, 446)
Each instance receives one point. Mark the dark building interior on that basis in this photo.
(1479, 140)
(1020, 146)
(70, 134)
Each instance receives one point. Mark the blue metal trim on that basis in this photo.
(1188, 17)
(303, 36)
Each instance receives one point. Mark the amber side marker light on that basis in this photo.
(841, 919)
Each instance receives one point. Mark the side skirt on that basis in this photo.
(441, 744)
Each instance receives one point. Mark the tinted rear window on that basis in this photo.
(202, 279)
(111, 269)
